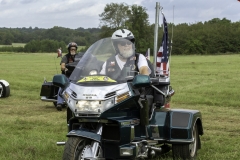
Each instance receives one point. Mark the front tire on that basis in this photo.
(77, 148)
(187, 151)
(4, 90)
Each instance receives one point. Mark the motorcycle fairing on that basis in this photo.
(99, 97)
(96, 92)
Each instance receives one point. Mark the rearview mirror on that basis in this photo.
(141, 81)
(60, 80)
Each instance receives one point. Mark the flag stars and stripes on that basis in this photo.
(162, 66)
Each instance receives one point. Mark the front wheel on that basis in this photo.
(77, 148)
(187, 151)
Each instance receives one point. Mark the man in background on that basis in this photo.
(59, 52)
(68, 58)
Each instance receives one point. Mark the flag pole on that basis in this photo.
(156, 37)
(170, 53)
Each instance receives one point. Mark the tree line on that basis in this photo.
(45, 40)
(215, 36)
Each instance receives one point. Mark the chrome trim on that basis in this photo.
(153, 108)
(45, 99)
(159, 90)
(95, 145)
(132, 136)
(126, 148)
(176, 140)
(61, 143)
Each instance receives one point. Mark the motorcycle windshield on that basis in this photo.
(106, 61)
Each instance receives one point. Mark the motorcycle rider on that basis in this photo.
(123, 42)
(68, 58)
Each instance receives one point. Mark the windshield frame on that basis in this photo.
(103, 52)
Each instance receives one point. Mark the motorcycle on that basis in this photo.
(4, 89)
(123, 118)
(49, 92)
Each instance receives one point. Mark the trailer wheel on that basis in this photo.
(187, 151)
(4, 90)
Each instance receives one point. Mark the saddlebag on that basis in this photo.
(48, 89)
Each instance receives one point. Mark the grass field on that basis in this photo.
(30, 128)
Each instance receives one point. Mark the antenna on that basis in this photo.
(172, 24)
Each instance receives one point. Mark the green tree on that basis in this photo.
(114, 15)
(44, 46)
(134, 18)
(138, 23)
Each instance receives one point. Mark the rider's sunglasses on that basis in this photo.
(73, 49)
(123, 43)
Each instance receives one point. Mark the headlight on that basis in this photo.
(94, 107)
(88, 106)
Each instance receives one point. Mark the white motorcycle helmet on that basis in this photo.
(120, 35)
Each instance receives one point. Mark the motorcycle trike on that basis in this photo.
(122, 116)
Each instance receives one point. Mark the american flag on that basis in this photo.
(163, 52)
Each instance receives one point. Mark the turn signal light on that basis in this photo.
(122, 97)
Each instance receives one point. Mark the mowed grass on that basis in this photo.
(30, 128)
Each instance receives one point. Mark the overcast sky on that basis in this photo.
(85, 13)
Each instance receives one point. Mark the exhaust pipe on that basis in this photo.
(61, 143)
(155, 148)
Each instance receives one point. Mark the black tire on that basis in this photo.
(64, 106)
(187, 151)
(75, 147)
(5, 92)
(55, 104)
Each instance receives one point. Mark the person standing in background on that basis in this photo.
(59, 52)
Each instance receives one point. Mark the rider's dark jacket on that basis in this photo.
(130, 68)
(70, 59)
(113, 70)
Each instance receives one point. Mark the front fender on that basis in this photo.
(84, 134)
